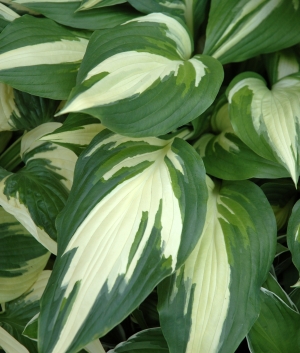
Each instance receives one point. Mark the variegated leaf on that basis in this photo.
(191, 11)
(38, 192)
(10, 344)
(282, 196)
(67, 13)
(293, 236)
(6, 16)
(277, 329)
(18, 312)
(40, 57)
(147, 341)
(92, 4)
(76, 133)
(282, 63)
(267, 120)
(127, 84)
(226, 157)
(140, 206)
(238, 30)
(209, 304)
(8, 107)
(22, 258)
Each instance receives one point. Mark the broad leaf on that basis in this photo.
(140, 206)
(293, 236)
(127, 84)
(35, 51)
(76, 133)
(282, 63)
(66, 13)
(147, 341)
(8, 108)
(209, 304)
(277, 329)
(6, 16)
(226, 157)
(282, 196)
(10, 344)
(22, 258)
(92, 4)
(191, 11)
(19, 311)
(238, 30)
(267, 120)
(38, 192)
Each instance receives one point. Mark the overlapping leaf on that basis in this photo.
(277, 329)
(238, 30)
(144, 82)
(22, 258)
(209, 304)
(191, 11)
(38, 192)
(21, 310)
(10, 344)
(293, 236)
(267, 120)
(8, 107)
(147, 341)
(66, 13)
(226, 157)
(91, 4)
(76, 133)
(37, 50)
(135, 212)
(6, 16)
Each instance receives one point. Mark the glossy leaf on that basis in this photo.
(239, 30)
(128, 85)
(209, 304)
(38, 192)
(140, 206)
(226, 157)
(22, 258)
(41, 49)
(67, 13)
(147, 341)
(267, 120)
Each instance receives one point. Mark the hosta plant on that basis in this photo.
(149, 170)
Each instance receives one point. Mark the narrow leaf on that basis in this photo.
(9, 344)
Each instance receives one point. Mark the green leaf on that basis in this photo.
(38, 192)
(277, 329)
(130, 78)
(267, 120)
(92, 4)
(22, 258)
(21, 310)
(282, 63)
(293, 236)
(226, 157)
(190, 11)
(10, 344)
(282, 196)
(209, 304)
(239, 30)
(40, 57)
(8, 107)
(6, 16)
(76, 133)
(66, 13)
(140, 206)
(147, 341)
